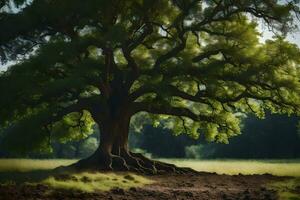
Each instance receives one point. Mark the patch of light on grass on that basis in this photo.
(90, 182)
(247, 167)
(286, 189)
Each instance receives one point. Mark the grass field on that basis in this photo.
(247, 167)
(39, 171)
(25, 165)
(28, 170)
(286, 189)
(230, 167)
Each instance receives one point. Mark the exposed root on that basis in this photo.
(163, 167)
(137, 164)
(127, 161)
(118, 163)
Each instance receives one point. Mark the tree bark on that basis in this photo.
(113, 153)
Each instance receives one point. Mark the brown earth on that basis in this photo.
(200, 186)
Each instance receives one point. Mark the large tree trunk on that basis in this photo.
(113, 153)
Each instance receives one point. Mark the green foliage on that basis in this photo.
(275, 137)
(196, 65)
(198, 151)
(159, 142)
(74, 126)
(20, 136)
(88, 146)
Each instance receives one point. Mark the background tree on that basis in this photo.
(275, 137)
(160, 142)
(194, 63)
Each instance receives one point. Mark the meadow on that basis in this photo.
(39, 171)
(229, 167)
(34, 171)
(245, 167)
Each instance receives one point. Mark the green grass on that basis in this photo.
(247, 167)
(26, 165)
(230, 167)
(39, 171)
(286, 189)
(90, 182)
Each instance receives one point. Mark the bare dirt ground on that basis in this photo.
(201, 186)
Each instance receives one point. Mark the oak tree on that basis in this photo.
(196, 65)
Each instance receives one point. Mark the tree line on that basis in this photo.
(276, 137)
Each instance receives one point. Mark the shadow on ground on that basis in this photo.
(28, 176)
(171, 186)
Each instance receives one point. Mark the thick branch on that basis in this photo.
(202, 97)
(169, 110)
(174, 51)
(206, 54)
(128, 47)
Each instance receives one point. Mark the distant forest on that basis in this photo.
(276, 137)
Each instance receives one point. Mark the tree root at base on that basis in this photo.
(127, 161)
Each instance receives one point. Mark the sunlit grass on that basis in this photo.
(25, 165)
(286, 189)
(231, 167)
(247, 167)
(90, 182)
(37, 171)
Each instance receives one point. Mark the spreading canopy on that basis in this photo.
(198, 64)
